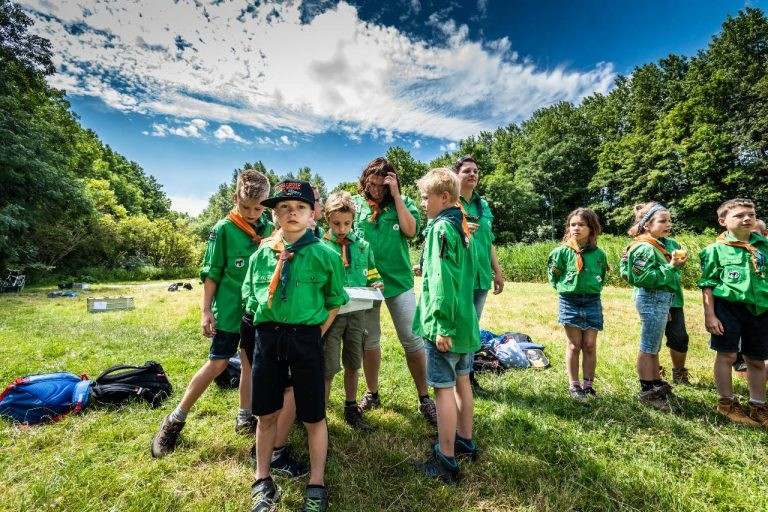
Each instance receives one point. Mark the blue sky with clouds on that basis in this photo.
(192, 89)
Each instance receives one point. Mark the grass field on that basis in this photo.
(540, 450)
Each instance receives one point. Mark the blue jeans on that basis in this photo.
(653, 308)
(444, 367)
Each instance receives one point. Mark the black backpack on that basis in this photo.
(124, 382)
(230, 376)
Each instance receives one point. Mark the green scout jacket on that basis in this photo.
(389, 245)
(731, 274)
(564, 276)
(362, 268)
(446, 304)
(479, 212)
(225, 262)
(315, 285)
(644, 266)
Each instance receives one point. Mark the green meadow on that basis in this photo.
(540, 450)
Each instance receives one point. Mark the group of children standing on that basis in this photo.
(273, 286)
(734, 285)
(274, 283)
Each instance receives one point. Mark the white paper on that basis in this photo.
(360, 298)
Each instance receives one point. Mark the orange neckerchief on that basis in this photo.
(654, 242)
(344, 244)
(375, 209)
(742, 245)
(282, 269)
(574, 246)
(464, 223)
(244, 226)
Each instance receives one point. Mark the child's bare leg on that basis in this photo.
(328, 382)
(445, 400)
(589, 354)
(572, 352)
(317, 436)
(200, 382)
(723, 369)
(351, 378)
(756, 378)
(245, 381)
(648, 366)
(266, 430)
(678, 358)
(285, 419)
(371, 367)
(466, 405)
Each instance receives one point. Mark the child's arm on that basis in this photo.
(211, 273)
(555, 267)
(327, 324)
(208, 322)
(498, 275)
(335, 295)
(711, 322)
(443, 283)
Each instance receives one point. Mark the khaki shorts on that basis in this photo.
(344, 343)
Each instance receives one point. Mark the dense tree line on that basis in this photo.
(67, 200)
(688, 132)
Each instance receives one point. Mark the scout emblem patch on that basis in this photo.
(396, 227)
(212, 235)
(734, 274)
(239, 262)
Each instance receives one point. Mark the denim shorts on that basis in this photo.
(653, 308)
(444, 367)
(583, 311)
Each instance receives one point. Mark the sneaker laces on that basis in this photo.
(170, 430)
(313, 505)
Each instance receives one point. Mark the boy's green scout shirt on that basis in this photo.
(362, 268)
(730, 272)
(446, 306)
(389, 245)
(479, 212)
(644, 266)
(225, 262)
(564, 276)
(315, 285)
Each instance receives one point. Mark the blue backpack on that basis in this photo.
(44, 397)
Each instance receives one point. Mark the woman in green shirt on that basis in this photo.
(387, 220)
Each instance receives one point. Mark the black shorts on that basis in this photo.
(739, 324)
(677, 335)
(286, 354)
(223, 345)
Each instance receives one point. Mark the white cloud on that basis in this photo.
(268, 70)
(190, 205)
(451, 146)
(416, 144)
(194, 129)
(225, 132)
(282, 142)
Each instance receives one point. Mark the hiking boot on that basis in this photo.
(265, 495)
(368, 401)
(656, 398)
(433, 467)
(315, 500)
(463, 449)
(665, 388)
(166, 437)
(577, 393)
(354, 418)
(759, 413)
(288, 466)
(732, 409)
(429, 411)
(680, 376)
(246, 426)
(589, 392)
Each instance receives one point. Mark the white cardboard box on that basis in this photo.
(360, 298)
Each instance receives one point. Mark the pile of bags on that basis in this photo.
(508, 350)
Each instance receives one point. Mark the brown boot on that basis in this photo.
(731, 409)
(680, 376)
(656, 398)
(759, 413)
